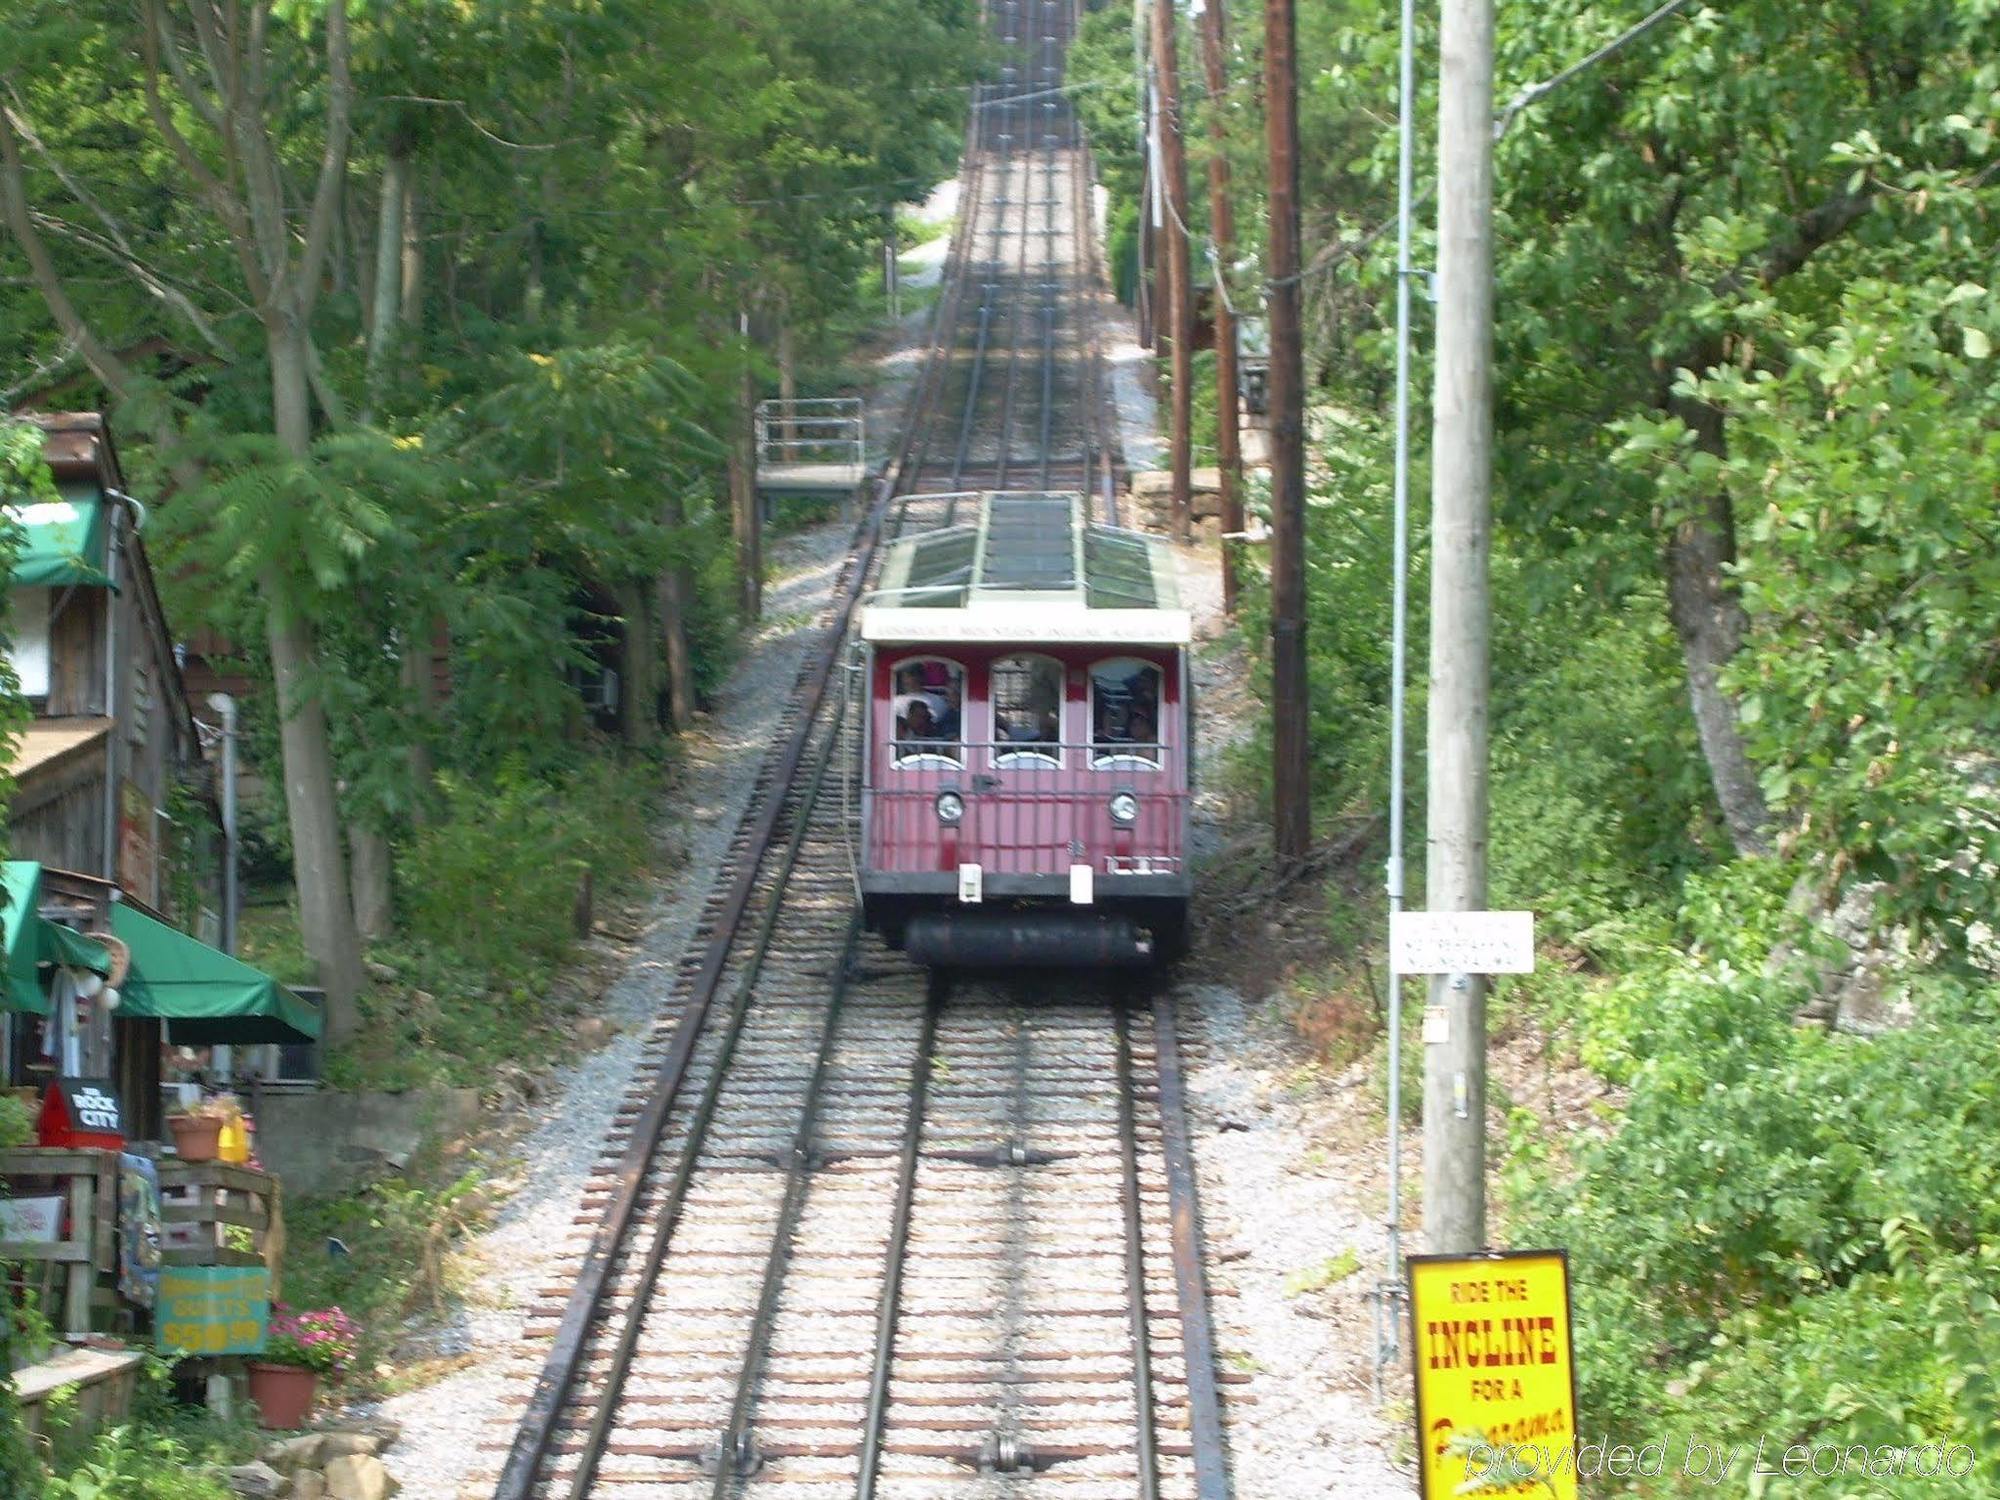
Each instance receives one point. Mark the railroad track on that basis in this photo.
(858, 1231)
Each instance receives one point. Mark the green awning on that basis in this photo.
(203, 994)
(63, 541)
(33, 942)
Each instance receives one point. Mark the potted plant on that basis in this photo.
(299, 1348)
(198, 1128)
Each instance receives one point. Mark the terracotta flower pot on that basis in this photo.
(283, 1393)
(195, 1136)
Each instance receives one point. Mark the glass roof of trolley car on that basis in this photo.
(1024, 547)
(1023, 567)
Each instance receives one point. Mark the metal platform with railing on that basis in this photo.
(811, 446)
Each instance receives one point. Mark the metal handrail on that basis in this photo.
(826, 429)
(1074, 755)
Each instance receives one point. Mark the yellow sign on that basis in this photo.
(212, 1309)
(1496, 1386)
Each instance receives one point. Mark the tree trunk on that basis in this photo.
(420, 688)
(369, 869)
(386, 310)
(638, 708)
(412, 300)
(788, 370)
(326, 910)
(743, 495)
(675, 590)
(1708, 618)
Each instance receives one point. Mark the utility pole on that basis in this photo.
(1142, 284)
(1461, 532)
(1291, 784)
(1174, 260)
(1222, 221)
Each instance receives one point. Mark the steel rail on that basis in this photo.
(667, 1218)
(733, 1453)
(1035, 163)
(1051, 288)
(1020, 164)
(971, 394)
(1006, 1447)
(1102, 418)
(921, 416)
(1211, 1458)
(1005, 430)
(889, 1313)
(534, 1434)
(1147, 1446)
(1049, 317)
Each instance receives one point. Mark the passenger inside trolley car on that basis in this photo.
(1027, 698)
(1125, 703)
(928, 695)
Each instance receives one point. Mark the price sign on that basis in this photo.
(213, 1309)
(1462, 942)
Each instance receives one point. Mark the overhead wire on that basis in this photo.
(1527, 95)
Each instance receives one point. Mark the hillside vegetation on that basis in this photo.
(430, 332)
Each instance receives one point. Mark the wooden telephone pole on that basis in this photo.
(1461, 539)
(1291, 778)
(1174, 262)
(1222, 221)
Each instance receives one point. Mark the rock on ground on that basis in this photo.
(360, 1477)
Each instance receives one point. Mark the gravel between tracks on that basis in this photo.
(444, 1423)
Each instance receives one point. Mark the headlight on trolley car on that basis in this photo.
(1124, 809)
(950, 808)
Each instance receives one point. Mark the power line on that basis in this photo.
(1624, 39)
(1527, 95)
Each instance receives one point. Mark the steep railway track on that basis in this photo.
(859, 1232)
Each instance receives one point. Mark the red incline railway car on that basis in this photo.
(1026, 748)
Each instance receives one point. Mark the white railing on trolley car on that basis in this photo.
(1028, 806)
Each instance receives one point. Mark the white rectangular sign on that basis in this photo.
(1462, 942)
(32, 1221)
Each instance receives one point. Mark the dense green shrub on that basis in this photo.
(494, 880)
(138, 1463)
(1747, 1229)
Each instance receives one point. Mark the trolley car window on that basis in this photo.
(1125, 714)
(927, 711)
(1027, 710)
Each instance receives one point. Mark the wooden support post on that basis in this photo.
(82, 1273)
(1222, 221)
(1174, 263)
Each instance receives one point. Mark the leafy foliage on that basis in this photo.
(1767, 1181)
(137, 1463)
(509, 451)
(1873, 584)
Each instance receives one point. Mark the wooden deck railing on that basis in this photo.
(201, 1202)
